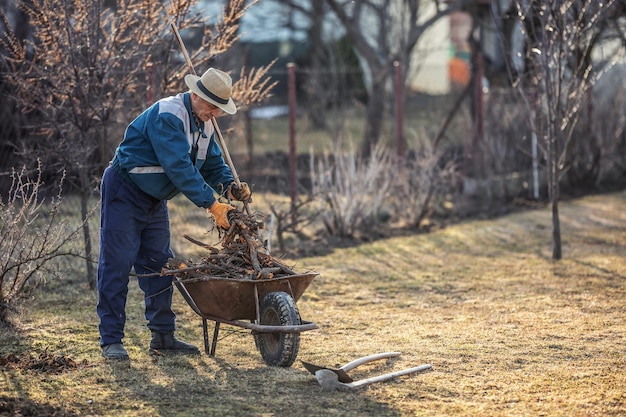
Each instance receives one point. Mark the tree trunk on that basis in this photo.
(4, 310)
(375, 113)
(553, 178)
(315, 82)
(85, 187)
(556, 232)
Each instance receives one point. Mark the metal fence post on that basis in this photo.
(399, 110)
(291, 69)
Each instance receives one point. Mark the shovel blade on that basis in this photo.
(342, 376)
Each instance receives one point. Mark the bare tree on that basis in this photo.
(32, 234)
(331, 78)
(14, 21)
(90, 61)
(560, 36)
(383, 32)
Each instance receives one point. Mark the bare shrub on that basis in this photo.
(351, 191)
(426, 182)
(560, 39)
(292, 217)
(89, 65)
(31, 236)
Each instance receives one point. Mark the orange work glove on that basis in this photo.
(220, 213)
(239, 193)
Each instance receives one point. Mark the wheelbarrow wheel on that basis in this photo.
(278, 349)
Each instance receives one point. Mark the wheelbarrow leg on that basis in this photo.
(216, 331)
(205, 331)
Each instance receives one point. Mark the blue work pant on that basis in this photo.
(134, 232)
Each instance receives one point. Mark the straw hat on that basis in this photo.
(214, 86)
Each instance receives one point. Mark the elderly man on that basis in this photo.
(168, 149)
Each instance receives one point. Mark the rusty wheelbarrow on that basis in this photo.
(267, 307)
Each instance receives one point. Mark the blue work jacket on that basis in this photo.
(164, 153)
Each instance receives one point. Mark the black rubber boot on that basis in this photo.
(168, 343)
(115, 351)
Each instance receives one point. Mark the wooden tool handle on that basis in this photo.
(183, 49)
(218, 132)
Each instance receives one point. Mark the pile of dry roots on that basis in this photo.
(242, 255)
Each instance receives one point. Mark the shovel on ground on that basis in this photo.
(342, 373)
(338, 379)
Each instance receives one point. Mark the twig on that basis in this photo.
(201, 244)
(203, 267)
(241, 254)
(277, 262)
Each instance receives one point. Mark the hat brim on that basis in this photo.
(192, 80)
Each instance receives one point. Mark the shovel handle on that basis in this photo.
(183, 49)
(229, 161)
(218, 132)
(388, 376)
(370, 358)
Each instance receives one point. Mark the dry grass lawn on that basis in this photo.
(509, 331)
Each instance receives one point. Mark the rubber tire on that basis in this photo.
(278, 349)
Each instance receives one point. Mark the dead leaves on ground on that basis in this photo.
(43, 362)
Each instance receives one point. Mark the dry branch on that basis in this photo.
(241, 255)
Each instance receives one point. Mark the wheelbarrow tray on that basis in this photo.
(237, 299)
